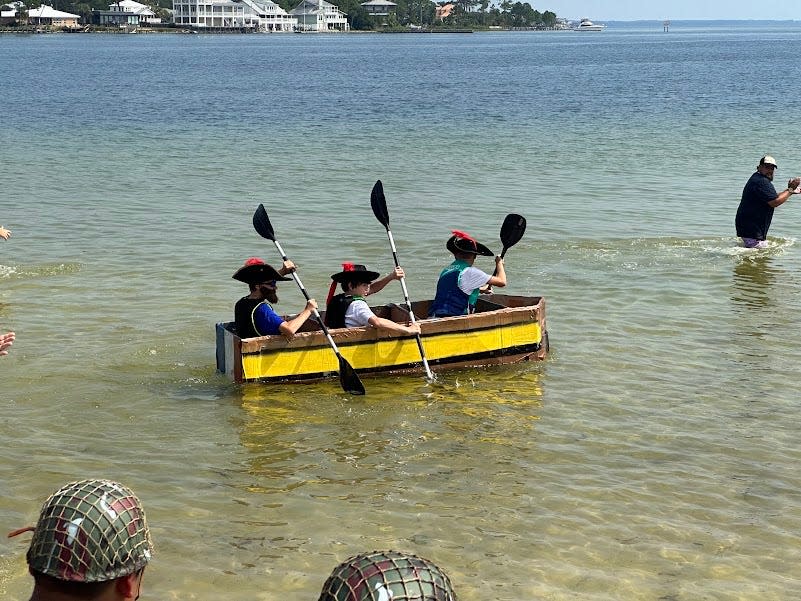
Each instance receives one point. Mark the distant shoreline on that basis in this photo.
(610, 24)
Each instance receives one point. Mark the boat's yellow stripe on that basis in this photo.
(459, 344)
(388, 353)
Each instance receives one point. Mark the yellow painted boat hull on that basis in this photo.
(504, 329)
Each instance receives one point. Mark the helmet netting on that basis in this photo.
(387, 576)
(90, 531)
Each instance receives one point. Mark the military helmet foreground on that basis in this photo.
(90, 531)
(387, 576)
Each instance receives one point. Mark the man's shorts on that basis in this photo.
(754, 243)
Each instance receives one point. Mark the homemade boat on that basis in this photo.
(504, 329)
(587, 25)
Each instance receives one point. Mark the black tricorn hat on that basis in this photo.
(461, 242)
(352, 272)
(255, 271)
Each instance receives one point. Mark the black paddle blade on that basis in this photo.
(379, 204)
(513, 228)
(262, 223)
(348, 378)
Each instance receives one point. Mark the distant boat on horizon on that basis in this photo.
(587, 25)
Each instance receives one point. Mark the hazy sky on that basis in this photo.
(632, 10)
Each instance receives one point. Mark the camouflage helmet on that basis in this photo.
(90, 531)
(387, 576)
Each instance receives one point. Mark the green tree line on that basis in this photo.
(466, 14)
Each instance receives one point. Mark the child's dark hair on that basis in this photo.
(348, 285)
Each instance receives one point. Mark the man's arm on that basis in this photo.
(290, 328)
(785, 195)
(287, 267)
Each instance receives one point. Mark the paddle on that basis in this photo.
(379, 204)
(512, 229)
(348, 377)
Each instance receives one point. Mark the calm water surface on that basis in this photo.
(654, 455)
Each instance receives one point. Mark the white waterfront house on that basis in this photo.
(47, 15)
(146, 14)
(319, 15)
(8, 12)
(263, 15)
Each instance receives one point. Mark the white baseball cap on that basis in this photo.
(768, 160)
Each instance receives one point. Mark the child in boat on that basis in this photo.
(460, 283)
(350, 310)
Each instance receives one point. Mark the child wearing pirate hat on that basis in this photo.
(254, 314)
(459, 283)
(350, 310)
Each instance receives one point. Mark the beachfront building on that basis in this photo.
(47, 15)
(115, 18)
(264, 15)
(8, 13)
(319, 15)
(143, 11)
(379, 8)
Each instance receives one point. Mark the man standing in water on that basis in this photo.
(758, 201)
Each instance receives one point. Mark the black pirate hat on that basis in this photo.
(352, 272)
(256, 271)
(461, 242)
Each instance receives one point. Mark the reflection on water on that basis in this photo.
(764, 296)
(406, 466)
(753, 280)
(300, 435)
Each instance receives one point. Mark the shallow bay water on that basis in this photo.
(652, 456)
